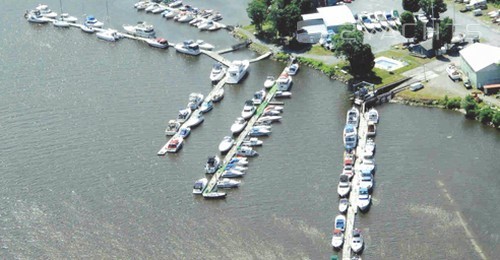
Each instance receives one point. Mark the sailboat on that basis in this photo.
(109, 35)
(60, 22)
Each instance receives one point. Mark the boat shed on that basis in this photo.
(481, 64)
(326, 21)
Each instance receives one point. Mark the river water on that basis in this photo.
(82, 120)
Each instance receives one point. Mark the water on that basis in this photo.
(82, 120)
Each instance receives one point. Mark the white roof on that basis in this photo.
(312, 16)
(336, 15)
(480, 56)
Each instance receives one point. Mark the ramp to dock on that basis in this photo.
(261, 57)
(217, 57)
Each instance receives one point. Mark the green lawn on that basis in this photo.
(319, 50)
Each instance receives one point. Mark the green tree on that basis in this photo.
(411, 5)
(486, 115)
(284, 16)
(470, 106)
(436, 41)
(347, 41)
(306, 6)
(363, 60)
(433, 7)
(420, 31)
(257, 11)
(446, 30)
(407, 28)
(496, 119)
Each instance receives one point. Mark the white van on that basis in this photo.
(476, 4)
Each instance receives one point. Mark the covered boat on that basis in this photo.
(357, 242)
(157, 43)
(213, 163)
(340, 222)
(196, 119)
(218, 95)
(343, 205)
(373, 116)
(226, 183)
(248, 109)
(344, 186)
(226, 144)
(172, 127)
(214, 195)
(337, 239)
(364, 199)
(239, 124)
(270, 81)
(199, 186)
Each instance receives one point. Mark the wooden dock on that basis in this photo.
(261, 57)
(216, 56)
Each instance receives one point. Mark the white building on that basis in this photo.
(326, 21)
(481, 64)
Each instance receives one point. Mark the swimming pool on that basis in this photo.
(388, 64)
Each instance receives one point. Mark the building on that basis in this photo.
(423, 49)
(480, 63)
(326, 21)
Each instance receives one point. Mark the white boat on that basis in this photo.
(255, 132)
(217, 17)
(236, 71)
(293, 69)
(199, 186)
(205, 24)
(34, 16)
(246, 151)
(109, 35)
(159, 9)
(174, 144)
(175, 4)
(205, 45)
(184, 115)
(184, 132)
(87, 28)
(231, 173)
(214, 195)
(195, 119)
(337, 238)
(283, 94)
(218, 95)
(339, 222)
(226, 144)
(395, 15)
(141, 5)
(91, 21)
(253, 141)
(368, 166)
(372, 129)
(284, 82)
(381, 19)
(370, 146)
(357, 242)
(60, 23)
(186, 17)
(188, 47)
(68, 18)
(271, 112)
(453, 72)
(212, 165)
(151, 7)
(344, 186)
(366, 180)
(214, 26)
(248, 109)
(258, 97)
(350, 129)
(350, 137)
(349, 158)
(373, 116)
(241, 161)
(364, 199)
(269, 119)
(367, 22)
(236, 167)
(390, 20)
(157, 43)
(226, 183)
(239, 124)
(374, 21)
(274, 107)
(169, 14)
(352, 117)
(422, 18)
(141, 29)
(172, 127)
(270, 81)
(206, 106)
(218, 72)
(348, 170)
(196, 21)
(343, 205)
(195, 100)
(45, 11)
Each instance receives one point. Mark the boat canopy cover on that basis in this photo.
(363, 191)
(90, 17)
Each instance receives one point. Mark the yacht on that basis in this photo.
(293, 69)
(337, 239)
(188, 47)
(382, 19)
(364, 199)
(368, 165)
(344, 186)
(242, 161)
(174, 144)
(284, 82)
(184, 132)
(172, 127)
(195, 119)
(206, 106)
(373, 116)
(175, 4)
(109, 35)
(366, 180)
(343, 205)
(340, 222)
(218, 95)
(270, 81)
(205, 45)
(34, 16)
(252, 141)
(199, 186)
(186, 17)
(183, 115)
(236, 71)
(226, 183)
(59, 22)
(91, 21)
(87, 29)
(159, 9)
(255, 132)
(226, 144)
(248, 109)
(70, 19)
(357, 242)
(195, 100)
(45, 11)
(141, 29)
(246, 151)
(258, 97)
(158, 43)
(353, 117)
(348, 170)
(239, 124)
(372, 129)
(205, 24)
(213, 163)
(169, 14)
(231, 173)
(214, 195)
(283, 94)
(218, 72)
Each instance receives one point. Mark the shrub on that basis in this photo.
(486, 114)
(470, 106)
(453, 103)
(281, 56)
(496, 119)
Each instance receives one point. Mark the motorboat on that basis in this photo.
(241, 161)
(364, 199)
(348, 170)
(141, 5)
(252, 141)
(359, 27)
(205, 13)
(172, 127)
(68, 18)
(226, 183)
(34, 16)
(349, 129)
(218, 72)
(256, 132)
(159, 9)
(91, 21)
(390, 20)
(340, 222)
(344, 186)
(246, 151)
(184, 132)
(213, 163)
(337, 238)
(357, 242)
(169, 14)
(453, 72)
(372, 129)
(274, 107)
(214, 195)
(370, 145)
(141, 29)
(248, 109)
(175, 4)
(367, 22)
(258, 97)
(174, 144)
(284, 82)
(188, 47)
(231, 173)
(239, 124)
(269, 119)
(60, 23)
(343, 205)
(350, 141)
(186, 17)
(217, 17)
(382, 19)
(270, 82)
(293, 69)
(195, 100)
(373, 116)
(236, 167)
(282, 94)
(197, 20)
(366, 180)
(199, 186)
(195, 119)
(151, 7)
(87, 29)
(226, 144)
(236, 71)
(218, 95)
(205, 24)
(271, 112)
(353, 117)
(157, 43)
(184, 115)
(261, 126)
(45, 11)
(214, 26)
(395, 15)
(349, 158)
(206, 106)
(109, 35)
(375, 22)
(368, 166)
